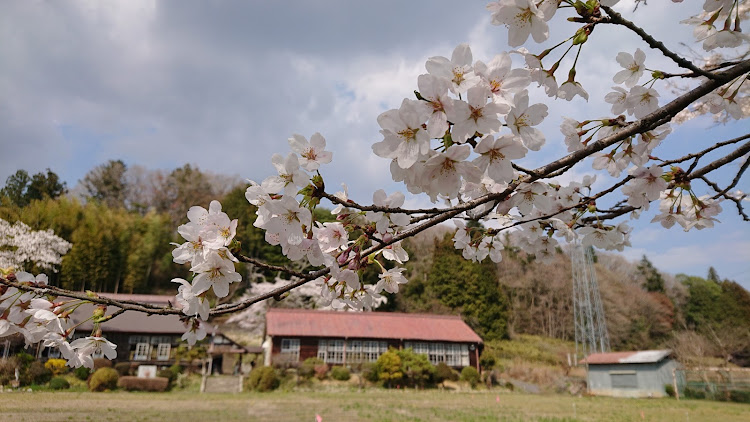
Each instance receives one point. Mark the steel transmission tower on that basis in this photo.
(590, 326)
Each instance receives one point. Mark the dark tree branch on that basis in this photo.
(617, 19)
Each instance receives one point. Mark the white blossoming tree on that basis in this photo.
(455, 142)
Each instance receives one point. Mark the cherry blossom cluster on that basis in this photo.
(284, 210)
(718, 25)
(682, 206)
(19, 245)
(47, 320)
(208, 233)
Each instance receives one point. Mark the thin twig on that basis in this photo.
(617, 19)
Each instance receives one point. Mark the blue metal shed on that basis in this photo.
(630, 374)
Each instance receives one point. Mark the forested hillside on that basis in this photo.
(121, 221)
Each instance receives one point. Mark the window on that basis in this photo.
(452, 354)
(354, 351)
(142, 351)
(290, 348)
(331, 351)
(624, 379)
(163, 351)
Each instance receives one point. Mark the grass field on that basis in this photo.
(370, 405)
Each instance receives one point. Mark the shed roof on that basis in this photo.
(639, 356)
(379, 325)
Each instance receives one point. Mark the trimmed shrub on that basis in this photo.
(59, 383)
(340, 373)
(122, 368)
(143, 384)
(470, 375)
(307, 369)
(369, 371)
(321, 371)
(103, 379)
(56, 366)
(35, 373)
(82, 373)
(443, 372)
(269, 381)
(169, 375)
(263, 379)
(102, 363)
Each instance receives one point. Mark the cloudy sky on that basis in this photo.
(224, 84)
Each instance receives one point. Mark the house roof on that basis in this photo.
(641, 356)
(135, 322)
(380, 325)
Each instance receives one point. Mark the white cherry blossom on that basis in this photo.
(312, 153)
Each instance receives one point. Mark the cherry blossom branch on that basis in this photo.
(739, 152)
(351, 204)
(124, 305)
(617, 19)
(707, 150)
(722, 193)
(698, 174)
(261, 264)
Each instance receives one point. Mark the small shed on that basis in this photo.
(642, 373)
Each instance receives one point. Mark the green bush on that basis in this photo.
(669, 389)
(103, 379)
(82, 373)
(262, 379)
(443, 373)
(59, 383)
(692, 393)
(340, 373)
(123, 368)
(417, 369)
(168, 375)
(35, 373)
(739, 396)
(307, 369)
(388, 367)
(144, 384)
(470, 375)
(487, 361)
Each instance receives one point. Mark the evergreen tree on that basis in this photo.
(470, 288)
(21, 189)
(713, 275)
(106, 183)
(654, 280)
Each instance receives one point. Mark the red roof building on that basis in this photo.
(350, 338)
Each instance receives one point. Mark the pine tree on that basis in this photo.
(654, 280)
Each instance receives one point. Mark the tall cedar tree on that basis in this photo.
(470, 288)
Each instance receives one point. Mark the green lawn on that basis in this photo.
(370, 405)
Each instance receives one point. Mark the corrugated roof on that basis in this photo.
(380, 325)
(640, 356)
